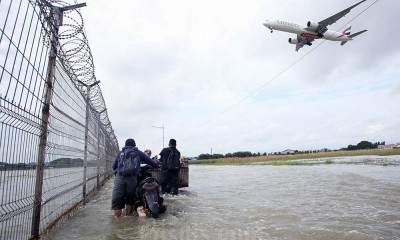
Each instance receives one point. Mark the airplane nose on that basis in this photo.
(266, 24)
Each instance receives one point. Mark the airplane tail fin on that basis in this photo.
(346, 31)
(353, 35)
(357, 33)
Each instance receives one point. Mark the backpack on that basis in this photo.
(173, 161)
(129, 163)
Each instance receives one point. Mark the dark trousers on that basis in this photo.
(171, 179)
(124, 191)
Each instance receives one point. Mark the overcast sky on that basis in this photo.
(216, 78)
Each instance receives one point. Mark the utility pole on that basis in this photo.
(162, 134)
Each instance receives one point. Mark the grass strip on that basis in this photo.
(279, 160)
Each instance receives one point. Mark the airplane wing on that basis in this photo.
(321, 27)
(299, 45)
(301, 41)
(337, 16)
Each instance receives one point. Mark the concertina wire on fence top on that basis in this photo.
(56, 140)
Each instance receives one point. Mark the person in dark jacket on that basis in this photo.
(124, 191)
(169, 177)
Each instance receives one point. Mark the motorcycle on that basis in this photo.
(149, 200)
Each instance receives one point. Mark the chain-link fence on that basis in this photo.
(56, 141)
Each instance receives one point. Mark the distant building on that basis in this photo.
(389, 146)
(288, 151)
(324, 150)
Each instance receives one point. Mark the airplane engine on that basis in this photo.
(293, 40)
(312, 25)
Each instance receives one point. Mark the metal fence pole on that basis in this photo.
(85, 160)
(37, 204)
(86, 146)
(98, 152)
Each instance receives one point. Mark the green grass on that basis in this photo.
(279, 160)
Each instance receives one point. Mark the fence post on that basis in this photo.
(55, 21)
(98, 152)
(87, 100)
(86, 146)
(37, 202)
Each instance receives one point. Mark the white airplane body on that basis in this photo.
(307, 34)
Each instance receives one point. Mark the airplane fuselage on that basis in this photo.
(295, 28)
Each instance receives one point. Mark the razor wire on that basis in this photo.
(75, 50)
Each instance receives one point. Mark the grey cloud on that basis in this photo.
(185, 72)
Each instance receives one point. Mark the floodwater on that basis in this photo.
(327, 201)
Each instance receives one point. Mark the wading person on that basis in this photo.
(170, 166)
(126, 168)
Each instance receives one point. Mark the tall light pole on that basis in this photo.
(162, 133)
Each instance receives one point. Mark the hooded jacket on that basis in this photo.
(143, 158)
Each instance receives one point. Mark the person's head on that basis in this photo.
(130, 143)
(148, 152)
(172, 142)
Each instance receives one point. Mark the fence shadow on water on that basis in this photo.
(56, 141)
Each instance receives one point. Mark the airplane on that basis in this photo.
(306, 35)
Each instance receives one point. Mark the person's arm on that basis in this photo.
(145, 158)
(162, 155)
(115, 164)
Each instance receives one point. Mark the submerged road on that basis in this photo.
(329, 201)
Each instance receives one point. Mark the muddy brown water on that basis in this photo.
(328, 201)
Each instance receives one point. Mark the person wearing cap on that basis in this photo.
(169, 178)
(124, 191)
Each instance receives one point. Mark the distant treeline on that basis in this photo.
(361, 145)
(57, 163)
(15, 166)
(364, 145)
(66, 162)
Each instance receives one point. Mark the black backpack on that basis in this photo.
(129, 163)
(173, 161)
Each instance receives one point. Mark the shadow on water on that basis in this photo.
(330, 201)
